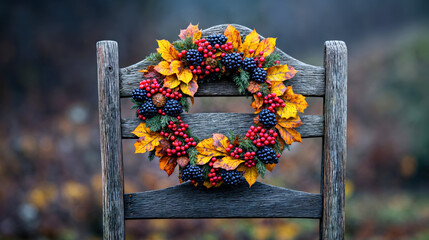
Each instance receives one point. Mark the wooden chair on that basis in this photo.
(260, 201)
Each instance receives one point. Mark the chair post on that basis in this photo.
(335, 146)
(110, 140)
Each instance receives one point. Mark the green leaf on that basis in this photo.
(242, 81)
(260, 166)
(270, 60)
(185, 103)
(154, 58)
(192, 152)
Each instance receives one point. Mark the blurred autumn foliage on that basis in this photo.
(49, 137)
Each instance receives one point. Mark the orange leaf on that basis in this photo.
(289, 123)
(147, 140)
(185, 75)
(251, 174)
(267, 46)
(257, 104)
(253, 87)
(256, 119)
(206, 150)
(241, 168)
(161, 149)
(278, 88)
(233, 36)
(250, 42)
(270, 166)
(183, 161)
(220, 142)
(164, 68)
(168, 164)
(192, 31)
(190, 88)
(277, 73)
(171, 81)
(297, 99)
(290, 135)
(291, 73)
(227, 163)
(236, 142)
(207, 184)
(167, 50)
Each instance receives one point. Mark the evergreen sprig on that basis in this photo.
(247, 144)
(186, 44)
(185, 103)
(242, 81)
(154, 58)
(192, 152)
(270, 60)
(151, 155)
(260, 166)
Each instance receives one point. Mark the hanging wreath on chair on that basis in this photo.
(178, 68)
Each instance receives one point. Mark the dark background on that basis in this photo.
(49, 138)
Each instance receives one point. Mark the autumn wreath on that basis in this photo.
(173, 78)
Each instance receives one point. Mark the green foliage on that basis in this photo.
(136, 104)
(242, 82)
(159, 122)
(270, 60)
(247, 144)
(154, 58)
(192, 152)
(206, 170)
(185, 103)
(278, 147)
(231, 136)
(264, 89)
(260, 166)
(151, 155)
(186, 44)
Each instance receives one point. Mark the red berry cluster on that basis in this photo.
(258, 60)
(272, 100)
(234, 151)
(214, 175)
(249, 161)
(261, 137)
(152, 87)
(182, 54)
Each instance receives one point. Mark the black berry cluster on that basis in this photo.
(194, 57)
(258, 75)
(139, 95)
(248, 64)
(267, 155)
(232, 177)
(232, 61)
(267, 118)
(173, 108)
(148, 110)
(214, 39)
(192, 173)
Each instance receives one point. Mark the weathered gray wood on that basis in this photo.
(110, 139)
(335, 146)
(203, 125)
(309, 81)
(259, 201)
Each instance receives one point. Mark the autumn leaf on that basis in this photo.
(297, 99)
(278, 88)
(257, 103)
(167, 50)
(176, 66)
(227, 163)
(251, 174)
(150, 72)
(147, 140)
(211, 147)
(289, 123)
(185, 75)
(277, 73)
(250, 42)
(256, 119)
(183, 161)
(164, 68)
(189, 88)
(289, 135)
(167, 164)
(270, 166)
(220, 142)
(254, 87)
(291, 73)
(192, 31)
(161, 149)
(233, 36)
(266, 46)
(171, 81)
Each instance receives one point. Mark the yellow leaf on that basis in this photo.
(296, 99)
(290, 135)
(164, 68)
(267, 46)
(278, 88)
(241, 168)
(185, 75)
(288, 111)
(189, 88)
(206, 150)
(257, 104)
(176, 66)
(192, 31)
(167, 50)
(161, 149)
(233, 36)
(270, 166)
(220, 142)
(250, 42)
(168, 164)
(147, 140)
(251, 174)
(227, 163)
(207, 184)
(277, 73)
(171, 81)
(291, 73)
(289, 123)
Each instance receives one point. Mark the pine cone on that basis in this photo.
(212, 62)
(158, 100)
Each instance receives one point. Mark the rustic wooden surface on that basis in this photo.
(309, 81)
(203, 125)
(259, 201)
(110, 139)
(335, 146)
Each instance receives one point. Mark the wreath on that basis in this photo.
(172, 80)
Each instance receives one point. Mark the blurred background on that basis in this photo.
(50, 182)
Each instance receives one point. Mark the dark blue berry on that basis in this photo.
(148, 109)
(267, 155)
(193, 57)
(216, 39)
(258, 75)
(232, 61)
(267, 118)
(190, 173)
(173, 108)
(139, 95)
(232, 177)
(248, 64)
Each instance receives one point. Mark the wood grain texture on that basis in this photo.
(110, 139)
(203, 125)
(309, 81)
(335, 145)
(259, 201)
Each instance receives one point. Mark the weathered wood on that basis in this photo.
(309, 81)
(203, 125)
(335, 146)
(110, 139)
(259, 201)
